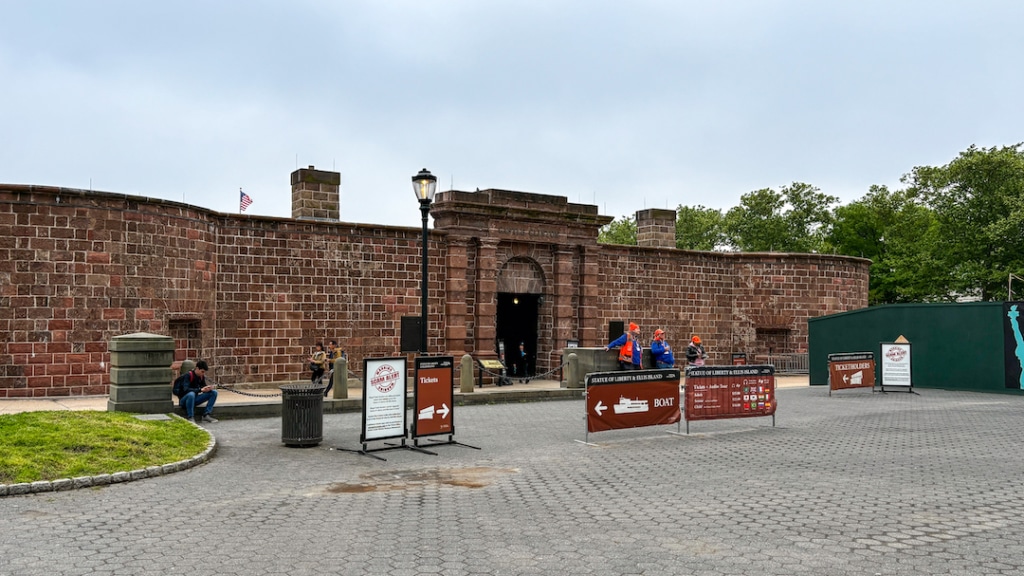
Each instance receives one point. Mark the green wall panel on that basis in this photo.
(953, 346)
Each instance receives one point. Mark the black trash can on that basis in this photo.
(302, 414)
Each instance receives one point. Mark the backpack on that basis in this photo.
(181, 386)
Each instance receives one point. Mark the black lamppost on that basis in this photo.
(424, 185)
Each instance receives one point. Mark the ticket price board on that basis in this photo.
(896, 366)
(434, 397)
(632, 399)
(384, 391)
(714, 392)
(851, 370)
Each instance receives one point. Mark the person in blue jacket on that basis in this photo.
(630, 353)
(661, 351)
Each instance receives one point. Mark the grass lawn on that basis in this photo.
(67, 444)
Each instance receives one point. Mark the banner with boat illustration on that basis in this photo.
(632, 399)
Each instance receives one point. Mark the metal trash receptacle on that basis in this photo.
(302, 414)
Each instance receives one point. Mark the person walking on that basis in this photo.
(317, 363)
(661, 351)
(333, 353)
(630, 353)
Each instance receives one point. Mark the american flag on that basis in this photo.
(244, 201)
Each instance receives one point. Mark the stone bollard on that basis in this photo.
(572, 372)
(340, 390)
(466, 375)
(140, 373)
(186, 365)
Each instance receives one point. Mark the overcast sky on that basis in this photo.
(627, 105)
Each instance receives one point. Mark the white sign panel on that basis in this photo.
(384, 391)
(896, 365)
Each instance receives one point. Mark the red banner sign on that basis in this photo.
(632, 399)
(433, 397)
(851, 370)
(714, 392)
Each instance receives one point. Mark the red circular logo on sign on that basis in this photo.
(385, 378)
(896, 354)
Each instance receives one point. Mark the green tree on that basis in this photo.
(899, 236)
(699, 228)
(619, 231)
(978, 200)
(794, 219)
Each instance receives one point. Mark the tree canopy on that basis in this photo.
(978, 199)
(619, 231)
(794, 219)
(954, 231)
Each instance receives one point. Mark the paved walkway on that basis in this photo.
(859, 483)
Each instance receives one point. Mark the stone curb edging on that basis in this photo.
(62, 484)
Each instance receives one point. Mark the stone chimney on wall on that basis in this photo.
(316, 194)
(656, 228)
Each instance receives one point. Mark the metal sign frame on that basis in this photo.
(842, 367)
(434, 400)
(644, 398)
(745, 391)
(897, 370)
(385, 388)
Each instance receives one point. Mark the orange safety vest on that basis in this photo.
(626, 352)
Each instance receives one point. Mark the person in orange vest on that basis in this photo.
(630, 353)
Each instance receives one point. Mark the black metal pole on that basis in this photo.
(424, 209)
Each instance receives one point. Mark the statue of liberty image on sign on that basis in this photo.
(1014, 315)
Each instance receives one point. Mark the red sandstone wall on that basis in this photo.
(285, 285)
(78, 268)
(252, 294)
(735, 302)
(682, 293)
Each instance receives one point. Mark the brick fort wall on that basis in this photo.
(252, 294)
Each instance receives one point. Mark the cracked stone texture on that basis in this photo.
(859, 483)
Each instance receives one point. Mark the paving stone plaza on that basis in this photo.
(857, 483)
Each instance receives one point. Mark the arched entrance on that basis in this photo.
(520, 294)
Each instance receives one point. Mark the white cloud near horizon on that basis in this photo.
(628, 106)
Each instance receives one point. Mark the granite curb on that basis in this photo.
(61, 484)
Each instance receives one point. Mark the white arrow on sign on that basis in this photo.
(444, 410)
(846, 378)
(600, 408)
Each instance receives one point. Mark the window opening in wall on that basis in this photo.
(773, 340)
(187, 336)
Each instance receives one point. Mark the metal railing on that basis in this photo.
(786, 363)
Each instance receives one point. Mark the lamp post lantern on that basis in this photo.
(424, 185)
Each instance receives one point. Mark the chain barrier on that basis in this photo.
(318, 382)
(230, 388)
(534, 377)
(327, 375)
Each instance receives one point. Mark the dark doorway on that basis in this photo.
(517, 324)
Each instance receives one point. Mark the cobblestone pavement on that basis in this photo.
(859, 483)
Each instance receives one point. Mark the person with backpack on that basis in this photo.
(192, 390)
